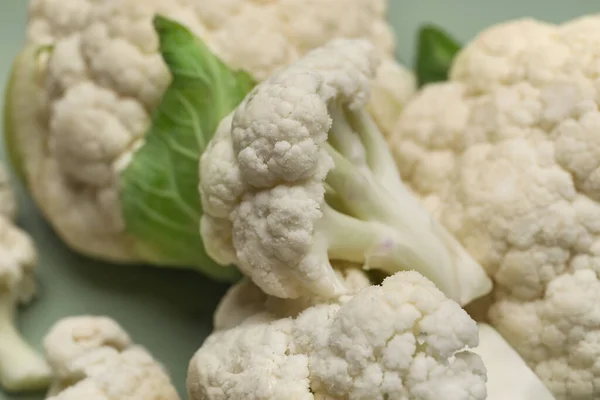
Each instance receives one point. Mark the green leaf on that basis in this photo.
(159, 187)
(436, 50)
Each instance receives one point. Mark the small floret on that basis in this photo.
(401, 340)
(93, 358)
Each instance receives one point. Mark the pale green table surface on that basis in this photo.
(170, 311)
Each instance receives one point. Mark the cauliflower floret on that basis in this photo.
(94, 358)
(299, 175)
(507, 155)
(21, 367)
(104, 63)
(401, 340)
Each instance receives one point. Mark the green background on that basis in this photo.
(170, 311)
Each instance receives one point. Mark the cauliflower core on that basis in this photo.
(401, 340)
(93, 358)
(21, 367)
(80, 109)
(299, 174)
(507, 154)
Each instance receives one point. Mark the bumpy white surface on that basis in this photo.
(94, 358)
(507, 154)
(262, 174)
(403, 340)
(105, 77)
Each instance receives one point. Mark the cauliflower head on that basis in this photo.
(21, 367)
(299, 175)
(401, 340)
(507, 156)
(86, 88)
(93, 358)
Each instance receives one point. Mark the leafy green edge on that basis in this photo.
(162, 210)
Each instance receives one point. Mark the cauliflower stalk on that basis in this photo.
(507, 154)
(416, 346)
(299, 174)
(21, 367)
(107, 115)
(508, 376)
(93, 358)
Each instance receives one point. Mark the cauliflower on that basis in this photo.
(93, 358)
(415, 346)
(299, 175)
(21, 367)
(83, 102)
(507, 156)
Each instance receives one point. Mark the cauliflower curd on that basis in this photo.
(84, 89)
(414, 346)
(507, 155)
(93, 358)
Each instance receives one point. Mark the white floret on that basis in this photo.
(275, 136)
(299, 175)
(72, 344)
(94, 356)
(507, 155)
(401, 340)
(85, 390)
(393, 87)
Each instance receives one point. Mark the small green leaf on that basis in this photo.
(436, 50)
(159, 187)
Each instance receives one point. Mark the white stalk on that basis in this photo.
(21, 367)
(509, 377)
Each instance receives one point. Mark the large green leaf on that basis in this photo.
(436, 50)
(159, 188)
